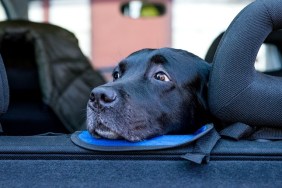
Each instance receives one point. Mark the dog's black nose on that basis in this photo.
(103, 96)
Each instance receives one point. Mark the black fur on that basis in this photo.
(154, 92)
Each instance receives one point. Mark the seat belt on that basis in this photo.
(201, 149)
(238, 131)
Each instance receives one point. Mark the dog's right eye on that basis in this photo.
(116, 75)
(162, 77)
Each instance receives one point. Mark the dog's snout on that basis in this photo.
(103, 97)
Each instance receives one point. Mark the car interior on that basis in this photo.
(36, 91)
(26, 105)
(44, 111)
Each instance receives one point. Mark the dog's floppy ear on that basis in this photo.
(199, 87)
(198, 81)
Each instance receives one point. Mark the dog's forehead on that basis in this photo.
(136, 62)
(180, 64)
(141, 57)
(165, 56)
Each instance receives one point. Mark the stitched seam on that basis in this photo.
(269, 15)
(222, 40)
(231, 100)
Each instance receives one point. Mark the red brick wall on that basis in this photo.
(115, 36)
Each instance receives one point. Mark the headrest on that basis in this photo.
(237, 92)
(274, 38)
(4, 89)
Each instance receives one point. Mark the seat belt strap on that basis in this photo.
(237, 131)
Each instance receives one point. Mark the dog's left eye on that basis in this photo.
(162, 77)
(116, 75)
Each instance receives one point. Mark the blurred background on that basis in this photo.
(109, 30)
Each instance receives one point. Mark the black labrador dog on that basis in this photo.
(153, 92)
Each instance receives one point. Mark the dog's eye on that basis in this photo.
(116, 75)
(162, 77)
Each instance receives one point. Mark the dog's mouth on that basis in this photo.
(105, 132)
(101, 124)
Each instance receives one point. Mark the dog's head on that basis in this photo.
(153, 92)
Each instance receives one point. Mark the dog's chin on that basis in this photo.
(102, 131)
(99, 127)
(105, 132)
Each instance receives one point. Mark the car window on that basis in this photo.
(73, 15)
(196, 23)
(110, 30)
(3, 15)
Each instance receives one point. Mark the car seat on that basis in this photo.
(4, 90)
(273, 39)
(49, 79)
(237, 92)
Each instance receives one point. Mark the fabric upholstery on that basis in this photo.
(62, 76)
(237, 92)
(4, 88)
